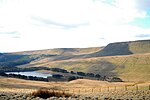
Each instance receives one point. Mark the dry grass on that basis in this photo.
(45, 93)
(19, 84)
(74, 51)
(128, 67)
(83, 87)
(16, 90)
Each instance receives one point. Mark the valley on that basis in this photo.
(84, 72)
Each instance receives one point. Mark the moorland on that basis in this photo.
(127, 61)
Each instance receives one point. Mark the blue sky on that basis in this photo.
(44, 24)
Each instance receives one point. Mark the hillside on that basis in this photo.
(12, 60)
(124, 48)
(82, 89)
(142, 46)
(63, 51)
(130, 68)
(19, 58)
(128, 60)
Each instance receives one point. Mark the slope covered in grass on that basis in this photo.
(113, 49)
(142, 46)
(130, 68)
(20, 58)
(128, 60)
(124, 48)
(63, 51)
(12, 60)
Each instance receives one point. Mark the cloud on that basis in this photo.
(143, 35)
(110, 2)
(42, 24)
(53, 24)
(17, 37)
(14, 32)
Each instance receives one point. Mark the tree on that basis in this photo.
(70, 78)
(81, 73)
(72, 72)
(97, 76)
(90, 74)
(57, 76)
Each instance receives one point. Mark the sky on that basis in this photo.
(45, 24)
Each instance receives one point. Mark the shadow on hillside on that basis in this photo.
(103, 68)
(12, 60)
(113, 49)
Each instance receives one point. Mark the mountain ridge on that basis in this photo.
(124, 48)
(123, 59)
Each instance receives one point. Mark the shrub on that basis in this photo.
(59, 70)
(57, 76)
(72, 72)
(116, 79)
(70, 78)
(45, 93)
(81, 73)
(97, 76)
(90, 74)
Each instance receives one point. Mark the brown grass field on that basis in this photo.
(19, 85)
(82, 88)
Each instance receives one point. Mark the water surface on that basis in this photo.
(31, 73)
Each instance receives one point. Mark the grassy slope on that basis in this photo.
(124, 48)
(20, 58)
(135, 66)
(63, 51)
(113, 49)
(12, 60)
(140, 46)
(84, 89)
(130, 68)
(80, 83)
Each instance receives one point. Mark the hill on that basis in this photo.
(142, 46)
(62, 51)
(19, 58)
(12, 60)
(130, 67)
(128, 60)
(124, 48)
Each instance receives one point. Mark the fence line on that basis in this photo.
(79, 90)
(135, 88)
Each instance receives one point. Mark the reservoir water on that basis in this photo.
(31, 73)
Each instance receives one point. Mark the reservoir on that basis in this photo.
(31, 73)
